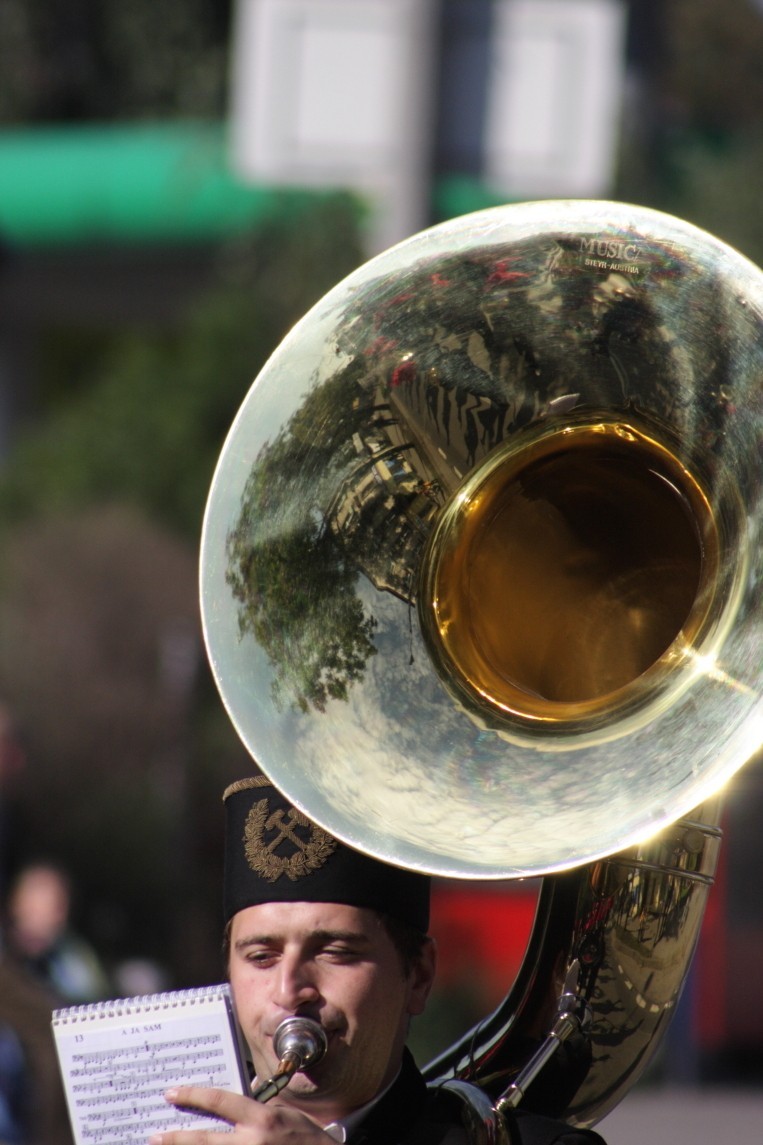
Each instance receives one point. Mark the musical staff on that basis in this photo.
(119, 1058)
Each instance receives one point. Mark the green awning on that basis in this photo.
(148, 183)
(127, 183)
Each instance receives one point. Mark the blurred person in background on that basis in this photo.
(12, 761)
(15, 1068)
(135, 977)
(39, 936)
(13, 1087)
(32, 1104)
(43, 965)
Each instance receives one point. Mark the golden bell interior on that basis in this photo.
(568, 569)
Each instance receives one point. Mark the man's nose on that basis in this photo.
(296, 985)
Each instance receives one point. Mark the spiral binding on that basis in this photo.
(146, 1003)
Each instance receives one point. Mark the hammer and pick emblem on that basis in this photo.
(265, 834)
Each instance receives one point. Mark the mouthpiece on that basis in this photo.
(299, 1042)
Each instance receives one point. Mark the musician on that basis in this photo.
(319, 930)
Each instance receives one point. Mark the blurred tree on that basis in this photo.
(148, 416)
(713, 81)
(102, 59)
(101, 658)
(99, 651)
(692, 139)
(719, 186)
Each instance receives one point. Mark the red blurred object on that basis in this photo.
(482, 934)
(711, 967)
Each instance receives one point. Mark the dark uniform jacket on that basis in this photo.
(410, 1113)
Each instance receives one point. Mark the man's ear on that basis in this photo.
(422, 977)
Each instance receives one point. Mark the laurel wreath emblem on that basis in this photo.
(309, 853)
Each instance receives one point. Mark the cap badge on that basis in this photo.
(264, 834)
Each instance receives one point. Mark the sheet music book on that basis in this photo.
(117, 1059)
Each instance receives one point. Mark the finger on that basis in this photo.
(190, 1137)
(219, 1102)
(202, 1100)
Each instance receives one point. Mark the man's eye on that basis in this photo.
(341, 953)
(261, 957)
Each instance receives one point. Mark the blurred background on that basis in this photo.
(179, 182)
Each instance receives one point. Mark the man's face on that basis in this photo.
(337, 965)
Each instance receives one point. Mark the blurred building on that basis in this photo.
(389, 96)
(426, 108)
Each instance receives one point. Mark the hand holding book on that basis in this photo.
(118, 1059)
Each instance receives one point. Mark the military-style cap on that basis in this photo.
(274, 853)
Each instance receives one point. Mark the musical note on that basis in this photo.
(118, 1059)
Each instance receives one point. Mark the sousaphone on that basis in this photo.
(481, 583)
